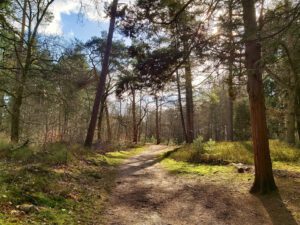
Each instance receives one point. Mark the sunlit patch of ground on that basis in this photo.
(282, 207)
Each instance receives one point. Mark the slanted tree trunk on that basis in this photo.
(291, 128)
(264, 180)
(189, 102)
(134, 124)
(103, 76)
(157, 120)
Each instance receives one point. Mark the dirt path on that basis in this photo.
(148, 195)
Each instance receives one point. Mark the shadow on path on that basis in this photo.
(277, 210)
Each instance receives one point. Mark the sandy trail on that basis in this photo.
(146, 194)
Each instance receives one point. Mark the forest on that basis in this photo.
(159, 112)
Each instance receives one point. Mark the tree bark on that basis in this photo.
(100, 119)
(189, 103)
(180, 106)
(26, 59)
(2, 103)
(140, 124)
(230, 76)
(229, 129)
(103, 75)
(157, 121)
(109, 136)
(264, 180)
(298, 112)
(17, 99)
(291, 128)
(134, 124)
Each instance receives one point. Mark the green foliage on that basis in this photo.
(51, 154)
(56, 154)
(283, 152)
(24, 154)
(198, 144)
(231, 151)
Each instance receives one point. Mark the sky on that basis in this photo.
(74, 25)
(79, 19)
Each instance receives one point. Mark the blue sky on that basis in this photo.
(75, 25)
(79, 19)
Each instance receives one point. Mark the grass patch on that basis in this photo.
(238, 152)
(189, 168)
(213, 158)
(115, 158)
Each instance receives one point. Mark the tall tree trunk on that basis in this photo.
(17, 99)
(157, 121)
(297, 105)
(189, 102)
(230, 76)
(2, 104)
(264, 180)
(180, 106)
(103, 75)
(146, 128)
(108, 123)
(140, 124)
(134, 124)
(100, 119)
(15, 115)
(290, 132)
(119, 124)
(229, 129)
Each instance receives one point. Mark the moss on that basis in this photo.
(5, 220)
(189, 168)
(290, 167)
(54, 216)
(115, 158)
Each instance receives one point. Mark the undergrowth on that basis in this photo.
(55, 183)
(237, 152)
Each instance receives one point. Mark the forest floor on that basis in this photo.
(149, 191)
(58, 185)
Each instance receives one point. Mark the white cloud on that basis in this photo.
(91, 9)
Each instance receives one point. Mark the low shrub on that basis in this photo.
(238, 152)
